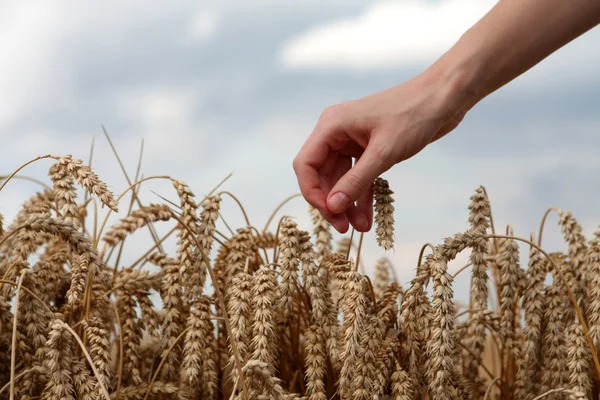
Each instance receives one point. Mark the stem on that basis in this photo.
(488, 392)
(23, 166)
(360, 242)
(279, 208)
(425, 246)
(350, 245)
(239, 204)
(546, 214)
(28, 178)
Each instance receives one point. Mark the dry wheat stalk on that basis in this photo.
(354, 308)
(65, 194)
(83, 382)
(99, 347)
(322, 308)
(198, 369)
(315, 363)
(554, 370)
(579, 361)
(87, 179)
(131, 331)
(572, 232)
(187, 253)
(593, 311)
(240, 256)
(240, 316)
(206, 232)
(533, 304)
(136, 220)
(479, 215)
(171, 293)
(364, 383)
(285, 328)
(264, 327)
(384, 213)
(138, 392)
(272, 388)
(58, 363)
(387, 306)
(401, 386)
(289, 254)
(508, 263)
(322, 232)
(441, 343)
(79, 276)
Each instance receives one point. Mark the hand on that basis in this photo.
(378, 131)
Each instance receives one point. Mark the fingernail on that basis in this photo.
(338, 202)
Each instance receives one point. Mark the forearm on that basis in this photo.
(513, 37)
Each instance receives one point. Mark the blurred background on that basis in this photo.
(214, 88)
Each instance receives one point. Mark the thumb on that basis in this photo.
(358, 179)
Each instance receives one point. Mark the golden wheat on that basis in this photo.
(298, 321)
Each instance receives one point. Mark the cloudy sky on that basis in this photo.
(230, 86)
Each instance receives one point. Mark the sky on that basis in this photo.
(214, 88)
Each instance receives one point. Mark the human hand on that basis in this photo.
(378, 131)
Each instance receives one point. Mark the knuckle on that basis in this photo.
(296, 164)
(331, 112)
(355, 182)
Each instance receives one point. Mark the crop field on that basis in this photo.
(281, 313)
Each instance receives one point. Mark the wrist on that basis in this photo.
(459, 79)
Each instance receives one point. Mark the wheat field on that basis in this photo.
(281, 314)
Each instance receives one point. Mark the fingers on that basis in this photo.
(334, 168)
(358, 180)
(361, 214)
(307, 163)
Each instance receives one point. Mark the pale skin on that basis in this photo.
(386, 128)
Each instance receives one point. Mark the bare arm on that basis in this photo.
(386, 128)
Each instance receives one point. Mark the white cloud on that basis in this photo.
(30, 70)
(386, 34)
(203, 26)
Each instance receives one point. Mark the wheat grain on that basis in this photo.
(579, 361)
(508, 263)
(441, 343)
(263, 327)
(99, 347)
(86, 178)
(131, 330)
(384, 213)
(136, 220)
(315, 363)
(554, 350)
(289, 250)
(533, 302)
(59, 364)
(354, 308)
(322, 232)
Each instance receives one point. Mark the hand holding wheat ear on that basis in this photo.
(389, 127)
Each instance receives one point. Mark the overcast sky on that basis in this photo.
(232, 86)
